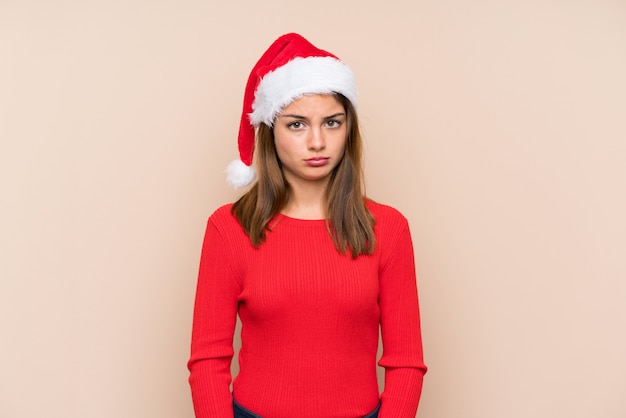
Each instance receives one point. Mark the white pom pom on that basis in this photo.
(239, 175)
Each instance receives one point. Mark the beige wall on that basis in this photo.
(497, 127)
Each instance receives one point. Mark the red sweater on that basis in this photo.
(310, 321)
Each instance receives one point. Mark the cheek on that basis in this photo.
(341, 142)
(282, 146)
(280, 154)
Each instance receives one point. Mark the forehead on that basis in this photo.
(314, 103)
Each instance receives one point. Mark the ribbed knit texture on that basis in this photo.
(310, 321)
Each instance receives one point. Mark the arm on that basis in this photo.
(401, 333)
(214, 318)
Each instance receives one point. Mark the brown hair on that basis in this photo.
(349, 222)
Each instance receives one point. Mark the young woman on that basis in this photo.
(312, 267)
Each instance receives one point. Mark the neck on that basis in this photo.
(306, 200)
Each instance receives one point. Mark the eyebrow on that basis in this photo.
(290, 115)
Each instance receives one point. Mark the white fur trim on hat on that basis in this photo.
(312, 75)
(239, 175)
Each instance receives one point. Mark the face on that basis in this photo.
(310, 138)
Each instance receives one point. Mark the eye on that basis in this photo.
(333, 123)
(295, 125)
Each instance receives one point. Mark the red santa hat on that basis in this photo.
(290, 68)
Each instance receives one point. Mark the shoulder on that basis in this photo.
(390, 225)
(223, 218)
(393, 235)
(224, 227)
(223, 212)
(385, 214)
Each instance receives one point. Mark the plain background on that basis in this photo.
(497, 127)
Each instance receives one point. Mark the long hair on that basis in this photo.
(349, 222)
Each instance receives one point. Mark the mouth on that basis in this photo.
(317, 161)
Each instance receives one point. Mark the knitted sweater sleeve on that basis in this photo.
(400, 327)
(214, 319)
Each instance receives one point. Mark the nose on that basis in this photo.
(316, 140)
